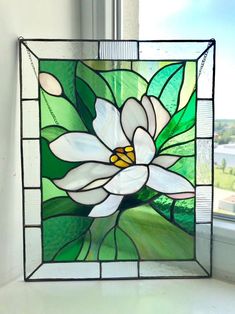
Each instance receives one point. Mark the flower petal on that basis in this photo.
(133, 115)
(165, 161)
(107, 207)
(146, 103)
(77, 146)
(85, 174)
(107, 125)
(181, 196)
(144, 147)
(89, 197)
(95, 184)
(128, 181)
(167, 182)
(162, 115)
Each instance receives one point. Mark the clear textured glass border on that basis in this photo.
(33, 50)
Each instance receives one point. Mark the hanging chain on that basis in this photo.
(36, 75)
(204, 58)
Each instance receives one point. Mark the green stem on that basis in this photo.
(99, 229)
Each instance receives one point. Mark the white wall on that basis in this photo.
(27, 18)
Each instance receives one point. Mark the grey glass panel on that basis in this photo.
(31, 161)
(30, 119)
(119, 269)
(32, 206)
(205, 75)
(204, 118)
(64, 49)
(29, 75)
(204, 161)
(169, 50)
(33, 251)
(203, 203)
(118, 50)
(68, 271)
(172, 269)
(203, 245)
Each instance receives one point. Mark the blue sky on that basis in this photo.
(198, 19)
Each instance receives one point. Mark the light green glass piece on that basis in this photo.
(126, 249)
(181, 138)
(108, 250)
(49, 190)
(146, 68)
(95, 81)
(125, 84)
(166, 85)
(186, 167)
(50, 133)
(182, 121)
(64, 114)
(184, 149)
(104, 65)
(154, 236)
(170, 93)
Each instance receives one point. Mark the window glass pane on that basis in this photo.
(178, 20)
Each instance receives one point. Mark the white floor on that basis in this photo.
(197, 296)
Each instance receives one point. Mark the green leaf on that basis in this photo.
(85, 247)
(85, 103)
(117, 245)
(99, 229)
(50, 133)
(179, 213)
(94, 81)
(181, 138)
(183, 149)
(125, 84)
(53, 167)
(184, 214)
(186, 167)
(180, 122)
(58, 111)
(126, 249)
(61, 206)
(163, 206)
(59, 231)
(64, 71)
(89, 86)
(70, 251)
(108, 248)
(154, 236)
(166, 85)
(49, 190)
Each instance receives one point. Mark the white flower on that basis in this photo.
(121, 158)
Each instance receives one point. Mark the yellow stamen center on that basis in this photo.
(123, 157)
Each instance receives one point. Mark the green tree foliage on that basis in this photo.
(223, 165)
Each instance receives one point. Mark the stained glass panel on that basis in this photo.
(115, 155)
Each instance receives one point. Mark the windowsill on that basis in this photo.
(224, 231)
(223, 249)
(125, 296)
